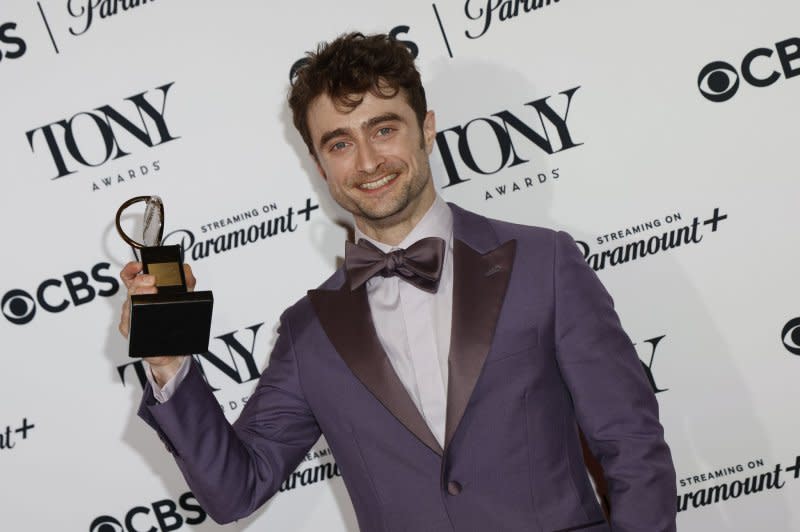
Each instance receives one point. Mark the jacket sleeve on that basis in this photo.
(233, 469)
(614, 403)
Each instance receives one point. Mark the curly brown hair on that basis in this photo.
(348, 67)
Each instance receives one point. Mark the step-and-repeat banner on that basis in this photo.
(662, 136)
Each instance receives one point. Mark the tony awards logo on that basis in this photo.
(174, 321)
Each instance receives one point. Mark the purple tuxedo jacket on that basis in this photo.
(536, 352)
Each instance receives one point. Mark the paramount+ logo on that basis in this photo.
(719, 81)
(58, 294)
(165, 515)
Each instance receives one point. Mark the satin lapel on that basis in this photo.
(346, 319)
(479, 288)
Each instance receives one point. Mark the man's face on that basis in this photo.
(374, 158)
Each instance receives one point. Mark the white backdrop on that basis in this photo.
(105, 100)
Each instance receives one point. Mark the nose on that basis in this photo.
(368, 158)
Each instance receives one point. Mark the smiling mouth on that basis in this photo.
(378, 183)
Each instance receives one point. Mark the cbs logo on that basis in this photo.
(56, 295)
(719, 81)
(165, 513)
(11, 46)
(790, 336)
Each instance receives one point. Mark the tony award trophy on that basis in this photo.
(174, 321)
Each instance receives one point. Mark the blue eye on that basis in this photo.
(384, 131)
(338, 146)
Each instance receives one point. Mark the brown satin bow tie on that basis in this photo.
(420, 264)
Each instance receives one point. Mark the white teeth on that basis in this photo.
(379, 183)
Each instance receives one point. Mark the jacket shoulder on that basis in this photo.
(300, 314)
(525, 235)
(508, 230)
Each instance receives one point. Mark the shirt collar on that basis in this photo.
(438, 221)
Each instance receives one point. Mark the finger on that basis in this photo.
(129, 272)
(140, 290)
(125, 315)
(191, 282)
(141, 281)
(124, 318)
(134, 290)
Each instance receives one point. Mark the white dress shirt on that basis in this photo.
(413, 325)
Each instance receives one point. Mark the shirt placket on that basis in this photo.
(420, 327)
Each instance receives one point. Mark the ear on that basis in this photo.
(429, 131)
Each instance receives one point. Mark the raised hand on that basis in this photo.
(163, 367)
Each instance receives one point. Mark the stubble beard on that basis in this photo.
(389, 214)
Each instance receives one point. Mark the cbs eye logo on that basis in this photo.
(719, 81)
(106, 523)
(790, 336)
(18, 306)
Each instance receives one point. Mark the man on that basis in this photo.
(449, 363)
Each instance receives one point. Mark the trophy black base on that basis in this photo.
(170, 324)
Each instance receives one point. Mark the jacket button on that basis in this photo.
(453, 487)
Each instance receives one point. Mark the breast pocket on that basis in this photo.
(512, 342)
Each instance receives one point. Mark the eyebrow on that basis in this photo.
(372, 122)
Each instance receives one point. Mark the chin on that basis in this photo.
(384, 208)
(384, 212)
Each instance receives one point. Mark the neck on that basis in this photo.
(395, 229)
